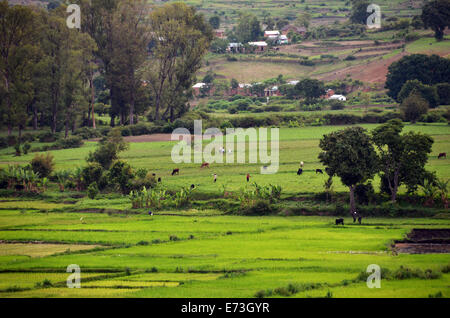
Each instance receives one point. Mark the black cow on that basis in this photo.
(175, 171)
(319, 171)
(192, 186)
(159, 179)
(339, 221)
(299, 171)
(442, 155)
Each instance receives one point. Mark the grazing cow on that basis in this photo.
(205, 165)
(442, 155)
(359, 219)
(175, 171)
(159, 179)
(248, 177)
(319, 171)
(299, 171)
(339, 221)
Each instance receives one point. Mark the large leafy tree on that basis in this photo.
(402, 156)
(17, 34)
(350, 155)
(359, 13)
(427, 69)
(132, 35)
(436, 15)
(429, 93)
(310, 89)
(248, 28)
(180, 38)
(414, 106)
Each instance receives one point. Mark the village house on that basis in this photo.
(260, 46)
(282, 39)
(292, 28)
(272, 91)
(235, 47)
(197, 88)
(338, 97)
(220, 33)
(272, 35)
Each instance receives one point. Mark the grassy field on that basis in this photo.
(296, 144)
(215, 256)
(202, 252)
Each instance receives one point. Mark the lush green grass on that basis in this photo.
(229, 256)
(209, 255)
(296, 144)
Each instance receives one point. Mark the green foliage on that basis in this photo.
(414, 106)
(108, 149)
(121, 174)
(69, 142)
(92, 190)
(43, 164)
(429, 93)
(429, 70)
(436, 15)
(350, 155)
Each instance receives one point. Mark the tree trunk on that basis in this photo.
(35, 117)
(91, 85)
(112, 121)
(352, 199)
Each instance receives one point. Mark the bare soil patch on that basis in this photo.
(424, 241)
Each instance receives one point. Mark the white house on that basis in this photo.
(338, 97)
(283, 39)
(293, 82)
(260, 46)
(272, 34)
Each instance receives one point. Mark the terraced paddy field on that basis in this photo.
(213, 256)
(201, 251)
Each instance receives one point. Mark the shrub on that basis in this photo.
(350, 58)
(92, 190)
(3, 143)
(443, 91)
(337, 104)
(108, 149)
(69, 142)
(43, 164)
(27, 137)
(26, 147)
(139, 129)
(46, 136)
(121, 175)
(413, 107)
(87, 133)
(91, 173)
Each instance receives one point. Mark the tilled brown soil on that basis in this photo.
(424, 241)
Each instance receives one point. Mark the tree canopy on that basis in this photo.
(436, 15)
(350, 155)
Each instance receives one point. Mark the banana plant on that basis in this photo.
(442, 191)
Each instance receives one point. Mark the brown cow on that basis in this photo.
(442, 155)
(175, 171)
(205, 165)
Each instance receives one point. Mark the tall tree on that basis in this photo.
(436, 15)
(131, 35)
(180, 37)
(310, 89)
(350, 155)
(16, 37)
(429, 70)
(402, 157)
(248, 28)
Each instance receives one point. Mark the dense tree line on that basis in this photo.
(140, 61)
